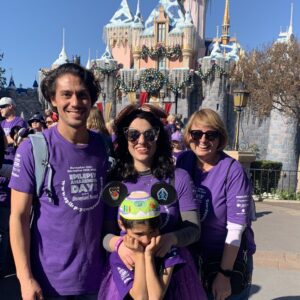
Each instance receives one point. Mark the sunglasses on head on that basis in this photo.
(210, 135)
(150, 135)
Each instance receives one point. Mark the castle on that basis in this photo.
(157, 60)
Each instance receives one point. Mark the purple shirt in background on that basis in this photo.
(170, 213)
(66, 252)
(218, 206)
(7, 126)
(123, 277)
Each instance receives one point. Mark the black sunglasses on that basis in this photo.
(209, 135)
(150, 135)
(4, 106)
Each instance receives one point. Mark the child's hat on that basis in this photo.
(139, 205)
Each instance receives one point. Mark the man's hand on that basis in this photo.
(221, 288)
(31, 290)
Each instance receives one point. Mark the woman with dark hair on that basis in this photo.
(144, 157)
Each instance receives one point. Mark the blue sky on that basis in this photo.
(31, 30)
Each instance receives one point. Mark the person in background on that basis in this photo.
(60, 256)
(95, 122)
(37, 122)
(3, 144)
(170, 127)
(177, 144)
(51, 118)
(225, 203)
(10, 120)
(8, 112)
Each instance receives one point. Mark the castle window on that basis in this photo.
(161, 32)
(162, 63)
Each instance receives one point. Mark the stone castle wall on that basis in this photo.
(274, 138)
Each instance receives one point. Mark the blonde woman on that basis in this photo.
(224, 199)
(95, 121)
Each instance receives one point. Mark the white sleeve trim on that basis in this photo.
(234, 234)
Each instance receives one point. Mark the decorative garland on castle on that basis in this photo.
(121, 85)
(161, 51)
(214, 68)
(152, 80)
(104, 71)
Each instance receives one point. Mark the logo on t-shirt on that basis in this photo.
(84, 193)
(203, 198)
(124, 274)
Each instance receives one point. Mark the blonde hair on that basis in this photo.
(171, 118)
(207, 117)
(96, 122)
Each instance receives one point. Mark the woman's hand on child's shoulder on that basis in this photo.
(126, 255)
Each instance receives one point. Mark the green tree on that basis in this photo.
(272, 76)
(2, 71)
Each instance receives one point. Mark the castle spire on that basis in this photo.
(138, 19)
(226, 25)
(62, 58)
(290, 31)
(89, 63)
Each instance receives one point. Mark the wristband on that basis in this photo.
(118, 243)
(226, 273)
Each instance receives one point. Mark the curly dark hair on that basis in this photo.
(162, 164)
(48, 85)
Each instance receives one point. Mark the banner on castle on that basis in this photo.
(108, 107)
(100, 106)
(168, 107)
(143, 98)
(131, 97)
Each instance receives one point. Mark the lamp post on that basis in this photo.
(162, 95)
(240, 98)
(104, 108)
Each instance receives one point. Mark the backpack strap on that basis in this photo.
(41, 164)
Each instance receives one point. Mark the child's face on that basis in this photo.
(143, 233)
(176, 145)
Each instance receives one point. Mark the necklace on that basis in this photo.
(146, 172)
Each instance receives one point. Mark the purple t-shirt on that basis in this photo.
(185, 198)
(123, 277)
(7, 126)
(219, 202)
(66, 256)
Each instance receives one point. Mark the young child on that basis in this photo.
(171, 277)
(177, 144)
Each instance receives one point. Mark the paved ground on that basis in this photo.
(277, 261)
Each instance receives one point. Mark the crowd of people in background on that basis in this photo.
(171, 209)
